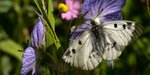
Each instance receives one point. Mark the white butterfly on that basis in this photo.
(101, 41)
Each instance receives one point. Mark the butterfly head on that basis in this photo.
(95, 22)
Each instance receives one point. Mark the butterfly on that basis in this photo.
(102, 36)
(101, 41)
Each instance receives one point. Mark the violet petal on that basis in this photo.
(80, 29)
(102, 8)
(110, 17)
(28, 60)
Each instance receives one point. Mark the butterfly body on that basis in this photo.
(97, 37)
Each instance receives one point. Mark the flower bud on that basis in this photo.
(38, 35)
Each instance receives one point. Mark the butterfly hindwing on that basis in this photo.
(118, 35)
(93, 60)
(81, 54)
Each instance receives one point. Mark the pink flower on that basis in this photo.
(73, 9)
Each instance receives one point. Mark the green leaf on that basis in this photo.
(53, 38)
(11, 47)
(57, 43)
(50, 6)
(52, 20)
(125, 9)
(38, 6)
(49, 39)
(50, 14)
(51, 35)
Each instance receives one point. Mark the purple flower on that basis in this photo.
(100, 11)
(28, 61)
(30, 55)
(38, 34)
(104, 10)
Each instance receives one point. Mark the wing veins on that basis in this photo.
(84, 42)
(125, 36)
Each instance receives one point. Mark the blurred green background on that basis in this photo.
(17, 19)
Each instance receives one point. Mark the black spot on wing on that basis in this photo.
(129, 24)
(114, 44)
(115, 25)
(124, 26)
(107, 43)
(89, 56)
(79, 42)
(73, 51)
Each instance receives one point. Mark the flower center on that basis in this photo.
(63, 7)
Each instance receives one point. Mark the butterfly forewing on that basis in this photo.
(119, 34)
(81, 54)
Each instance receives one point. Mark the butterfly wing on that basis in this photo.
(118, 35)
(81, 54)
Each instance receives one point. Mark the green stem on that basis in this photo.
(44, 13)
